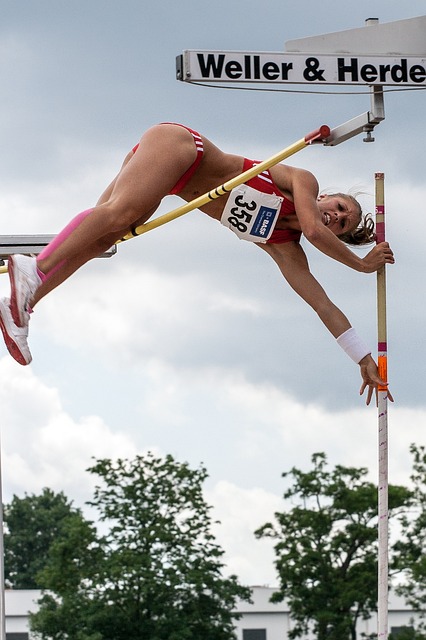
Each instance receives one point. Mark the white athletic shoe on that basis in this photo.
(15, 337)
(24, 282)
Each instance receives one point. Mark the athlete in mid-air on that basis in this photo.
(273, 210)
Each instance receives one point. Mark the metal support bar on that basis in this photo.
(350, 129)
(363, 123)
(33, 244)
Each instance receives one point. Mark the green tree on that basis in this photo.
(155, 574)
(411, 547)
(407, 633)
(31, 525)
(72, 574)
(326, 550)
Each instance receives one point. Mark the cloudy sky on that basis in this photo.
(188, 341)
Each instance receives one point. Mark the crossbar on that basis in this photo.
(319, 135)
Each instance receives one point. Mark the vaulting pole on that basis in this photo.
(383, 532)
(2, 584)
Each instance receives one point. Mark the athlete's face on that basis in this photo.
(339, 213)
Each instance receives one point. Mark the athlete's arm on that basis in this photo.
(304, 188)
(293, 264)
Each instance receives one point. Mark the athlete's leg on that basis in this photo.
(65, 269)
(165, 152)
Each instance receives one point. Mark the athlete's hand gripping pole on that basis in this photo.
(319, 135)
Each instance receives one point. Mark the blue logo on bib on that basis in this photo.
(263, 222)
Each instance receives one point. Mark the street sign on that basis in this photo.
(300, 68)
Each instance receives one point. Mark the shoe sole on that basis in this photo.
(12, 347)
(14, 309)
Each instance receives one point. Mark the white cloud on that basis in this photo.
(42, 444)
(247, 435)
(348, 437)
(240, 513)
(136, 311)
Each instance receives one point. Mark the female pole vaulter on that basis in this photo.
(272, 210)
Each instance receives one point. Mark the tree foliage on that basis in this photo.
(156, 572)
(407, 633)
(326, 549)
(32, 523)
(411, 557)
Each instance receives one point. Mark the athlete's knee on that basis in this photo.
(117, 214)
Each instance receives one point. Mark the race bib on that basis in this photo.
(251, 214)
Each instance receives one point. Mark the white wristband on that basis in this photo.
(352, 344)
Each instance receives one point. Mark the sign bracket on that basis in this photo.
(363, 123)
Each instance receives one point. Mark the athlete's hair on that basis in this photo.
(364, 232)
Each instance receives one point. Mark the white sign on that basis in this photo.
(300, 68)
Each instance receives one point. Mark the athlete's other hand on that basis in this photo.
(371, 379)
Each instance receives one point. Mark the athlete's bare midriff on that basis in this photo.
(218, 167)
(215, 168)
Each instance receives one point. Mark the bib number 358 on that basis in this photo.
(241, 215)
(251, 214)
